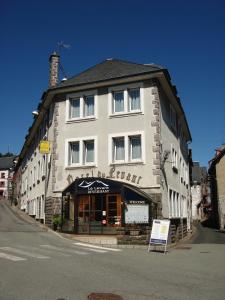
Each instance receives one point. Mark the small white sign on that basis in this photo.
(136, 214)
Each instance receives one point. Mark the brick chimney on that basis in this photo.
(54, 69)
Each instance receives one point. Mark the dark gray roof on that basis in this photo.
(109, 69)
(6, 162)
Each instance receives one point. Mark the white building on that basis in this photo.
(118, 137)
(6, 168)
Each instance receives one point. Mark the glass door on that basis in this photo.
(84, 214)
(112, 214)
(96, 213)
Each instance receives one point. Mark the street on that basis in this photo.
(40, 265)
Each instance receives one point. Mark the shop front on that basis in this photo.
(103, 206)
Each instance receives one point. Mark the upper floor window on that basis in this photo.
(173, 118)
(118, 101)
(174, 160)
(126, 148)
(134, 99)
(74, 109)
(89, 106)
(81, 152)
(3, 175)
(81, 107)
(125, 100)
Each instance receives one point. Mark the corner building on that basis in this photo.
(119, 150)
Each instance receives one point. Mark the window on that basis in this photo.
(125, 101)
(2, 183)
(174, 204)
(118, 149)
(134, 99)
(81, 152)
(174, 160)
(88, 151)
(74, 150)
(89, 106)
(2, 175)
(135, 147)
(81, 107)
(74, 110)
(173, 118)
(126, 148)
(118, 101)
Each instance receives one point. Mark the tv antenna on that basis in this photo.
(61, 45)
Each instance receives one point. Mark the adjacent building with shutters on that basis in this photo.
(118, 150)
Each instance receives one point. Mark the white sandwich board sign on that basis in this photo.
(160, 233)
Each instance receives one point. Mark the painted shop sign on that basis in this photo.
(113, 174)
(94, 187)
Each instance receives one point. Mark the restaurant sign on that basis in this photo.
(93, 187)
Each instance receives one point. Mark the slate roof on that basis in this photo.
(110, 69)
(6, 162)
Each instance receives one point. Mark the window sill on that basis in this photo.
(130, 163)
(81, 167)
(125, 114)
(87, 119)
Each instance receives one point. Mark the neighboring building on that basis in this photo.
(200, 192)
(217, 182)
(6, 173)
(119, 150)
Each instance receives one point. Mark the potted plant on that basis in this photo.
(56, 222)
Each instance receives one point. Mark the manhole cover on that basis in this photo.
(104, 296)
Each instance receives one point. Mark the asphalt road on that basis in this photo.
(40, 265)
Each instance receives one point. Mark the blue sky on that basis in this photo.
(187, 37)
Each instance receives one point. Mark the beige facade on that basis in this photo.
(143, 145)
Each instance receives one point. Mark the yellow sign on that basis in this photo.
(44, 147)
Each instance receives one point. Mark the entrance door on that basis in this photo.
(84, 214)
(112, 214)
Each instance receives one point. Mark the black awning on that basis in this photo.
(96, 185)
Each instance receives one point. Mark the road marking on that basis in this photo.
(11, 257)
(60, 249)
(97, 247)
(35, 255)
(46, 250)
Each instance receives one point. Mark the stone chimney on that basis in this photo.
(54, 69)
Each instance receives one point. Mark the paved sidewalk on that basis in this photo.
(102, 240)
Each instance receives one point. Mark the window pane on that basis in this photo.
(74, 152)
(118, 102)
(119, 151)
(135, 147)
(74, 108)
(89, 106)
(134, 96)
(89, 151)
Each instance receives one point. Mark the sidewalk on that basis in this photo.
(101, 240)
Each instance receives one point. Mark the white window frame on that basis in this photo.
(127, 159)
(127, 105)
(174, 203)
(82, 97)
(174, 156)
(82, 162)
